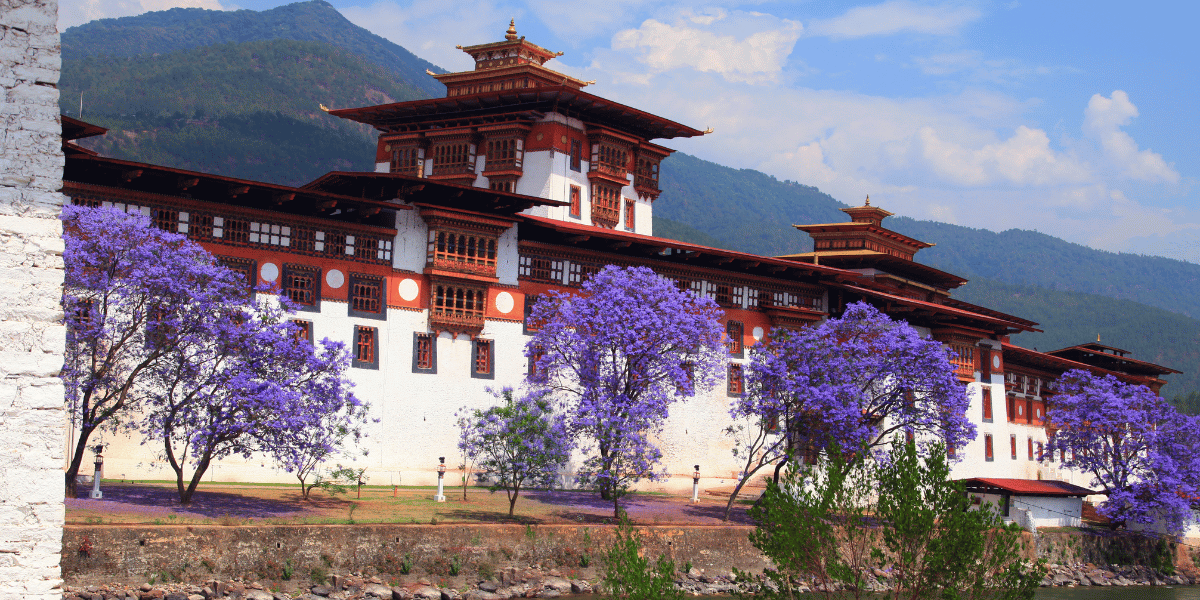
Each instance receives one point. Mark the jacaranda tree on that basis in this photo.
(854, 381)
(618, 353)
(518, 444)
(1139, 450)
(252, 385)
(126, 283)
(165, 342)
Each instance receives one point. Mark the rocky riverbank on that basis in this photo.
(536, 583)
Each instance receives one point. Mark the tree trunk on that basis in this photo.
(738, 488)
(76, 461)
(185, 497)
(512, 502)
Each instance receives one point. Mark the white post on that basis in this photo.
(696, 485)
(96, 493)
(441, 496)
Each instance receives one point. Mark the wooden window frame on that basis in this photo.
(305, 331)
(1030, 440)
(428, 364)
(357, 280)
(736, 384)
(576, 154)
(986, 400)
(735, 334)
(575, 195)
(294, 270)
(989, 454)
(485, 361)
(248, 267)
(366, 351)
(528, 327)
(1012, 441)
(630, 211)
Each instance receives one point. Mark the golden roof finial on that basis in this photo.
(511, 34)
(1097, 338)
(868, 203)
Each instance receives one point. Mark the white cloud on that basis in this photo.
(746, 47)
(1023, 159)
(1103, 120)
(431, 28)
(896, 16)
(77, 12)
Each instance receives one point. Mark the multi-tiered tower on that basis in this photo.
(514, 125)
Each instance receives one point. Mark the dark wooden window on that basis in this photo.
(424, 353)
(722, 296)
(502, 154)
(534, 356)
(1012, 439)
(1029, 411)
(366, 347)
(303, 286)
(303, 330)
(303, 240)
(246, 268)
(166, 219)
(200, 227)
(987, 403)
(483, 361)
(987, 448)
(335, 244)
(629, 212)
(367, 297)
(405, 160)
(735, 380)
(734, 336)
(1030, 440)
(453, 158)
(462, 247)
(606, 204)
(528, 326)
(456, 301)
(576, 201)
(576, 156)
(1041, 451)
(237, 231)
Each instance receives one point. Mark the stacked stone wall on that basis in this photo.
(32, 419)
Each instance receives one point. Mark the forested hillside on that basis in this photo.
(177, 29)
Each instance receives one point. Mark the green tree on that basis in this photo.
(630, 576)
(830, 524)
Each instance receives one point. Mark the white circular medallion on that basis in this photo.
(409, 290)
(504, 302)
(269, 272)
(995, 361)
(758, 334)
(335, 278)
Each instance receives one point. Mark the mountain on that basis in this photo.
(236, 93)
(168, 31)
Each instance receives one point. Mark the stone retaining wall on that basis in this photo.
(201, 552)
(32, 421)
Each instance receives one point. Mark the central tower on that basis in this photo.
(514, 125)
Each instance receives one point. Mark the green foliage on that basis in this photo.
(178, 29)
(630, 576)
(341, 479)
(832, 524)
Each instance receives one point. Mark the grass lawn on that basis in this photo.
(276, 504)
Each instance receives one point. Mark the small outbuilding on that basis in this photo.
(1031, 503)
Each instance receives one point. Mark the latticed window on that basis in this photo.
(366, 294)
(303, 330)
(469, 248)
(423, 349)
(646, 174)
(405, 160)
(580, 272)
(723, 295)
(606, 205)
(963, 360)
(576, 202)
(455, 301)
(200, 226)
(300, 284)
(166, 219)
(504, 185)
(630, 208)
(540, 268)
(483, 359)
(735, 386)
(734, 332)
(451, 158)
(303, 239)
(243, 267)
(335, 243)
(237, 231)
(501, 153)
(365, 345)
(610, 159)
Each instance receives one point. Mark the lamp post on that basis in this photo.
(696, 485)
(441, 497)
(96, 493)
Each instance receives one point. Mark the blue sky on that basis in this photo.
(1072, 118)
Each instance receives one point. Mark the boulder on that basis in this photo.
(557, 584)
(581, 587)
(377, 590)
(321, 590)
(253, 594)
(427, 592)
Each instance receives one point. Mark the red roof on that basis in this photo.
(1007, 320)
(1026, 487)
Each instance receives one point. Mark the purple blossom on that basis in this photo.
(854, 381)
(619, 353)
(1138, 449)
